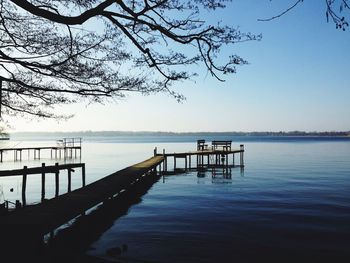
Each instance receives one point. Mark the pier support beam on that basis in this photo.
(24, 185)
(83, 173)
(69, 180)
(57, 185)
(43, 182)
(242, 155)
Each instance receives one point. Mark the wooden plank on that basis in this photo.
(55, 212)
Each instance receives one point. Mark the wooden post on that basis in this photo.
(189, 161)
(57, 172)
(186, 162)
(20, 155)
(241, 155)
(174, 162)
(43, 182)
(155, 151)
(83, 173)
(69, 180)
(24, 185)
(0, 156)
(0, 96)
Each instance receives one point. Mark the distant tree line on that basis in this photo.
(159, 133)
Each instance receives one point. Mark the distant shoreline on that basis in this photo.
(155, 133)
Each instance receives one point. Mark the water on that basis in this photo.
(292, 198)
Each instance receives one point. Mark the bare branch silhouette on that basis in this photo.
(283, 12)
(59, 52)
(334, 10)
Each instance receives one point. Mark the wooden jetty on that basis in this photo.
(43, 170)
(219, 154)
(63, 149)
(31, 223)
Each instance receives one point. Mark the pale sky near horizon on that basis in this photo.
(298, 79)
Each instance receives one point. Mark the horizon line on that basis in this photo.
(181, 132)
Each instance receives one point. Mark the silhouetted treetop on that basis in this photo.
(57, 52)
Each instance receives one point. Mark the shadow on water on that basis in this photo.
(74, 241)
(70, 244)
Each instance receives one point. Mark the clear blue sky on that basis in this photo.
(298, 79)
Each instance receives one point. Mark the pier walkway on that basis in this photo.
(33, 222)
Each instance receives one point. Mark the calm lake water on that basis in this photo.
(292, 198)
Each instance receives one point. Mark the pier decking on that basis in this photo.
(33, 222)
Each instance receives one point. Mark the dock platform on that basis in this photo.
(33, 222)
(212, 157)
(64, 148)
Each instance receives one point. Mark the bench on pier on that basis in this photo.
(218, 145)
(201, 146)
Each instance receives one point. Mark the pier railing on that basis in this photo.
(69, 142)
(43, 170)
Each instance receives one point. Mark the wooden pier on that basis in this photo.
(63, 149)
(30, 224)
(219, 155)
(43, 170)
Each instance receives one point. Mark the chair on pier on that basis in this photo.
(201, 146)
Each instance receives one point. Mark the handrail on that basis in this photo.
(39, 170)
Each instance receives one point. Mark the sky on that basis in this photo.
(297, 79)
